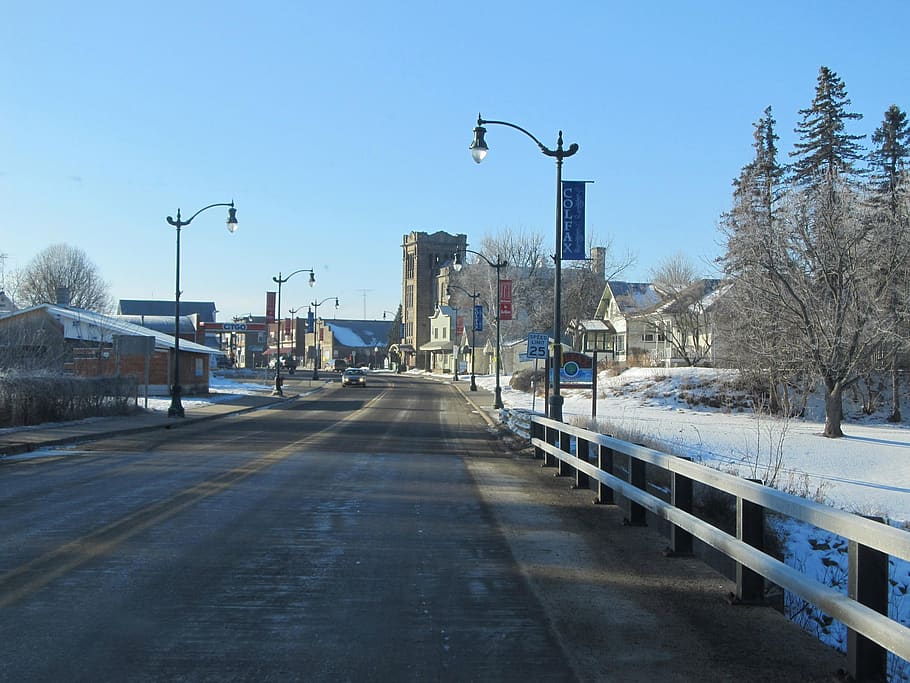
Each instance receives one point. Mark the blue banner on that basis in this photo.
(310, 321)
(573, 220)
(478, 318)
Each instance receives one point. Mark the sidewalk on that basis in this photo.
(18, 440)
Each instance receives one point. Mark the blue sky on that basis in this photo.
(338, 128)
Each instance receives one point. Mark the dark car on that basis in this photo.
(354, 377)
(338, 365)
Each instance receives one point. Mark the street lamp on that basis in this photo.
(316, 306)
(176, 407)
(499, 265)
(473, 328)
(278, 391)
(479, 150)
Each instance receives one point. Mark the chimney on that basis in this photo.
(63, 296)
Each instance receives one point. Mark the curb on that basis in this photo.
(167, 423)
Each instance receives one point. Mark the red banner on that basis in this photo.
(459, 326)
(270, 307)
(505, 299)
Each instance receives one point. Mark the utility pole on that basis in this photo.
(363, 293)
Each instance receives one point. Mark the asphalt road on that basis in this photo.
(378, 534)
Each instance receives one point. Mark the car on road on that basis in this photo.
(338, 365)
(354, 377)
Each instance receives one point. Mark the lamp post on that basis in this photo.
(479, 150)
(176, 407)
(473, 328)
(278, 391)
(499, 265)
(316, 306)
(455, 348)
(293, 312)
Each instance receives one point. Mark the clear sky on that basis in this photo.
(339, 127)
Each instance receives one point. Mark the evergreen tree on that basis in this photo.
(759, 182)
(889, 193)
(826, 150)
(756, 334)
(888, 158)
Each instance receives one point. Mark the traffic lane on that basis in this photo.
(377, 565)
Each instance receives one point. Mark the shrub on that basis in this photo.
(35, 398)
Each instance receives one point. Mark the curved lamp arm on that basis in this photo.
(479, 147)
(232, 223)
(281, 280)
(457, 265)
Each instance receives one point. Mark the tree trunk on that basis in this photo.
(895, 390)
(834, 409)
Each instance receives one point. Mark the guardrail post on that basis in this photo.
(605, 463)
(582, 451)
(750, 528)
(680, 498)
(867, 583)
(537, 432)
(551, 436)
(638, 479)
(564, 469)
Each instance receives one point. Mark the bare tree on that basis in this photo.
(63, 266)
(684, 315)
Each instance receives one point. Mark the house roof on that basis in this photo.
(634, 297)
(81, 324)
(360, 333)
(204, 309)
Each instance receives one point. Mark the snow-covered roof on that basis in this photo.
(81, 324)
(634, 297)
(360, 333)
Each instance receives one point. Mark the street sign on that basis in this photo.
(537, 345)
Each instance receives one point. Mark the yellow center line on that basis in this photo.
(29, 577)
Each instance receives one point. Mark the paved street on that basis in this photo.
(379, 534)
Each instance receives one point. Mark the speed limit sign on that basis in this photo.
(537, 345)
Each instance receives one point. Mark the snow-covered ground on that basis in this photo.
(866, 472)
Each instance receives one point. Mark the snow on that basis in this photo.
(866, 472)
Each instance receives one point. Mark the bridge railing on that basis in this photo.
(588, 456)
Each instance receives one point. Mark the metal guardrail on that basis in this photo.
(863, 610)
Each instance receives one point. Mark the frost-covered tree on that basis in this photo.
(807, 261)
(748, 320)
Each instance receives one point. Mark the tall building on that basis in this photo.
(423, 256)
